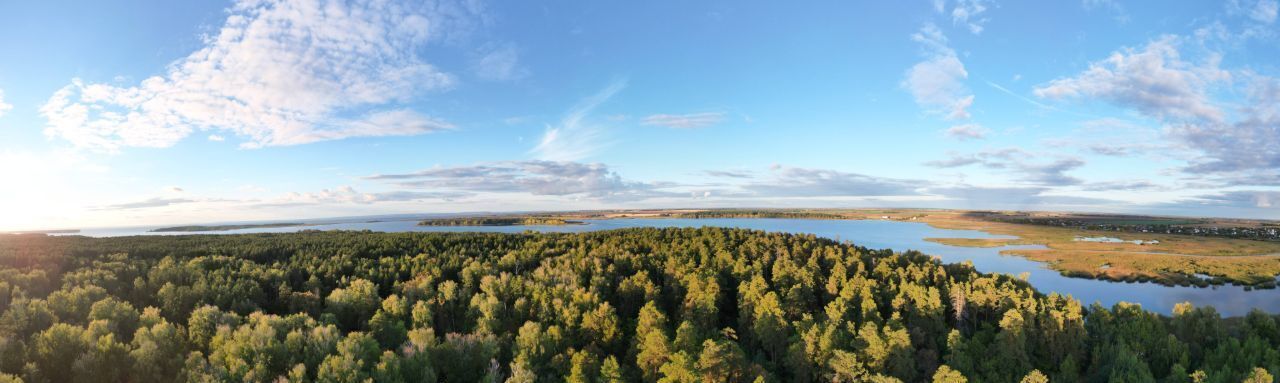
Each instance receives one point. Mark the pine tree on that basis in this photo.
(945, 374)
(1035, 376)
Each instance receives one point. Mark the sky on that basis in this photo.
(160, 112)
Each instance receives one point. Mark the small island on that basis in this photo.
(193, 228)
(497, 221)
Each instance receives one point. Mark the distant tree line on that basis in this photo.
(226, 227)
(497, 221)
(1264, 232)
(636, 305)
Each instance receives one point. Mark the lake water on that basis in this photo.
(897, 235)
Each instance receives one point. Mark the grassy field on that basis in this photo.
(1168, 269)
(976, 242)
(1176, 259)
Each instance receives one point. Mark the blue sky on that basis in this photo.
(143, 112)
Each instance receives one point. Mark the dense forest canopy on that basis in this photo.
(635, 305)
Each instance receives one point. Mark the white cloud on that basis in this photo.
(1027, 165)
(148, 203)
(1116, 9)
(343, 195)
(1123, 185)
(964, 132)
(216, 138)
(501, 63)
(1014, 198)
(349, 195)
(574, 138)
(1154, 81)
(968, 13)
(1251, 143)
(937, 83)
(729, 173)
(1249, 200)
(277, 73)
(1263, 11)
(4, 107)
(684, 121)
(804, 182)
(544, 178)
(1235, 144)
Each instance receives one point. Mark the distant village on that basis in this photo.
(1262, 233)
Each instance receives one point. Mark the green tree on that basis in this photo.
(583, 368)
(72, 305)
(158, 353)
(105, 360)
(388, 330)
(56, 349)
(356, 357)
(653, 353)
(354, 304)
(680, 368)
(1012, 345)
(610, 371)
(203, 324)
(1035, 376)
(388, 369)
(722, 361)
(121, 318)
(469, 357)
(1128, 368)
(945, 374)
(1259, 375)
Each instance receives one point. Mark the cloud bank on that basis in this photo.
(536, 177)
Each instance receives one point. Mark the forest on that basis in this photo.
(635, 305)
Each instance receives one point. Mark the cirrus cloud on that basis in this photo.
(684, 121)
(575, 137)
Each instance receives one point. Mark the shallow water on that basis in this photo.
(897, 235)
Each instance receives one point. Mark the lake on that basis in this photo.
(897, 235)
